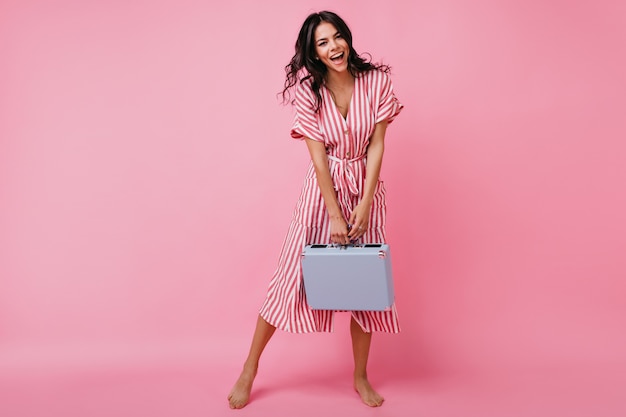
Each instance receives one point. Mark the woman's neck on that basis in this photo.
(339, 79)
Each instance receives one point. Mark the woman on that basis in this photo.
(343, 104)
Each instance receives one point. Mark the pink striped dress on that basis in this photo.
(346, 142)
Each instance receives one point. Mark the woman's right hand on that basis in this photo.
(339, 230)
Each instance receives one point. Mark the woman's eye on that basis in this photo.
(321, 43)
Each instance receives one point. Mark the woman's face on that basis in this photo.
(331, 48)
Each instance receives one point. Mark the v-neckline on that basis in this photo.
(330, 96)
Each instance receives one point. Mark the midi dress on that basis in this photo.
(346, 141)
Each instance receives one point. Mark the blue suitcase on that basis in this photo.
(352, 277)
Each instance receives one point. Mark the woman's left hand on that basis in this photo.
(359, 219)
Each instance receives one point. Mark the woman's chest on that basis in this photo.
(356, 128)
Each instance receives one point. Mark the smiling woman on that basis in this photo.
(323, 36)
(331, 48)
(343, 105)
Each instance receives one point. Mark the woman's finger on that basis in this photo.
(362, 228)
(357, 229)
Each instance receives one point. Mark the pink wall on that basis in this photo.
(147, 178)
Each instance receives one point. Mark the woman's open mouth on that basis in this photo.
(337, 58)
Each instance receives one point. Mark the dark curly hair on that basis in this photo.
(305, 56)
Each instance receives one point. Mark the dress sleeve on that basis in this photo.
(388, 106)
(305, 123)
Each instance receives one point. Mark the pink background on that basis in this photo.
(147, 180)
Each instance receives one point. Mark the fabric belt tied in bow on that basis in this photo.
(344, 178)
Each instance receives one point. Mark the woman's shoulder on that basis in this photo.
(377, 81)
(376, 74)
(303, 78)
(303, 91)
(304, 83)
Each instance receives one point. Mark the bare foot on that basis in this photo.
(240, 394)
(367, 393)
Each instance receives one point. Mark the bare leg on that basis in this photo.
(361, 348)
(240, 393)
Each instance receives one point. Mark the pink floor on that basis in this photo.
(197, 385)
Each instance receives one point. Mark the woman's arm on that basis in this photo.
(361, 214)
(338, 225)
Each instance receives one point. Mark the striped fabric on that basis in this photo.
(346, 142)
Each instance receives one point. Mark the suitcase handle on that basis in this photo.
(350, 245)
(382, 254)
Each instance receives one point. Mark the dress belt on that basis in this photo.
(344, 178)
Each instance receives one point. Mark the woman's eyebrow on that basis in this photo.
(325, 39)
